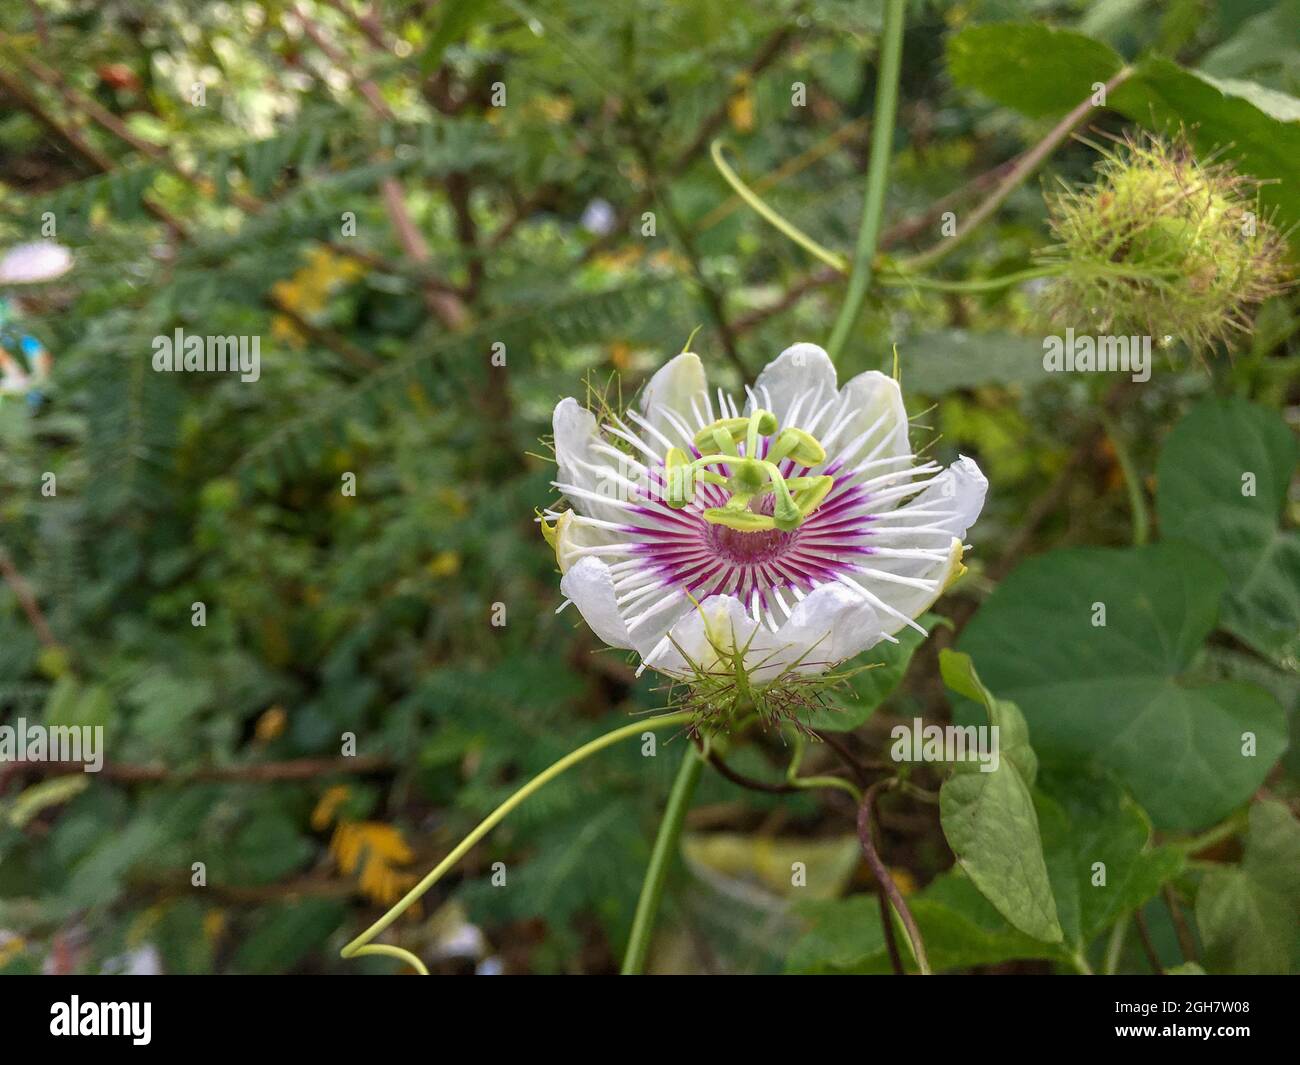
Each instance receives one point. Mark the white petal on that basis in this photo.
(702, 639)
(801, 370)
(830, 626)
(674, 388)
(875, 404)
(959, 493)
(959, 490)
(906, 599)
(580, 464)
(590, 585)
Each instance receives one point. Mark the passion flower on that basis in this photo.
(760, 542)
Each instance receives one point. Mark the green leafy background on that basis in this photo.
(1149, 763)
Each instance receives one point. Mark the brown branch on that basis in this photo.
(205, 186)
(26, 600)
(794, 294)
(327, 338)
(449, 308)
(1003, 178)
(713, 301)
(82, 148)
(520, 214)
(96, 111)
(858, 767)
(260, 773)
(891, 941)
(767, 55)
(883, 878)
(1148, 947)
(1025, 165)
(368, 24)
(315, 887)
(1186, 943)
(912, 227)
(901, 231)
(38, 20)
(458, 192)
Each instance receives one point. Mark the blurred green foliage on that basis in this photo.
(369, 615)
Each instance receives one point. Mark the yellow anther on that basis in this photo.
(706, 440)
(752, 477)
(679, 490)
(740, 520)
(809, 498)
(798, 445)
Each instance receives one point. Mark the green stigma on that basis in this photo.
(750, 478)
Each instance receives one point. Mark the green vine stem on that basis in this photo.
(1234, 825)
(652, 889)
(873, 205)
(776, 220)
(795, 781)
(1132, 482)
(362, 945)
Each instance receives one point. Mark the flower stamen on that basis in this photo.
(751, 477)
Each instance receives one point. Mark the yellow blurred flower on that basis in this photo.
(555, 109)
(902, 880)
(740, 106)
(451, 500)
(445, 564)
(214, 924)
(308, 291)
(327, 806)
(271, 724)
(10, 947)
(376, 849)
(622, 259)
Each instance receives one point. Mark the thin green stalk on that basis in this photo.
(895, 278)
(777, 221)
(830, 782)
(1115, 945)
(982, 284)
(873, 205)
(362, 945)
(1234, 825)
(795, 781)
(652, 889)
(1136, 500)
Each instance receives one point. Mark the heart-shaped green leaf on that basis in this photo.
(1222, 483)
(1093, 645)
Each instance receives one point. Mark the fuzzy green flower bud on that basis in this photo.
(1163, 245)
